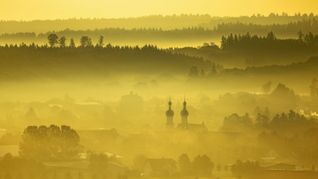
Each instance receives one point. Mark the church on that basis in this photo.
(184, 124)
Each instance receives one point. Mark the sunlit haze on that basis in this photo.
(158, 89)
(49, 9)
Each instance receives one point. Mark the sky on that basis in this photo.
(60, 9)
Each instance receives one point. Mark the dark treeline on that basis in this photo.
(155, 21)
(290, 30)
(42, 62)
(241, 50)
(69, 57)
(306, 43)
(298, 74)
(282, 30)
(114, 35)
(182, 28)
(272, 18)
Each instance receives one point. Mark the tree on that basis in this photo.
(202, 165)
(240, 168)
(184, 164)
(300, 35)
(309, 38)
(271, 36)
(49, 143)
(86, 41)
(262, 120)
(267, 87)
(72, 43)
(100, 41)
(17, 165)
(224, 42)
(53, 39)
(62, 41)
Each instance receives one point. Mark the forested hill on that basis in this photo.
(308, 69)
(155, 21)
(30, 62)
(122, 36)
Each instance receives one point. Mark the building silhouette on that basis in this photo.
(169, 115)
(184, 114)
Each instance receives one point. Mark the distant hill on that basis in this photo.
(310, 67)
(237, 50)
(155, 21)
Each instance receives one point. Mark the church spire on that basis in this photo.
(184, 115)
(169, 114)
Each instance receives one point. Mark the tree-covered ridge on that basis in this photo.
(154, 21)
(307, 69)
(43, 62)
(184, 34)
(155, 29)
(285, 30)
(305, 42)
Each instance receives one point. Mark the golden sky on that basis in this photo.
(53, 9)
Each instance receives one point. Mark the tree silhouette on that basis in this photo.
(271, 36)
(267, 87)
(72, 43)
(86, 42)
(184, 164)
(241, 168)
(53, 39)
(62, 41)
(100, 41)
(202, 165)
(49, 143)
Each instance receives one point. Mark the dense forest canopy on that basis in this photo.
(45, 62)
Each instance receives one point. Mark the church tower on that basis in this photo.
(169, 115)
(184, 116)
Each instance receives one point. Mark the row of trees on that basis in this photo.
(286, 123)
(211, 70)
(244, 168)
(43, 143)
(289, 29)
(85, 41)
(227, 42)
(201, 165)
(270, 41)
(234, 40)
